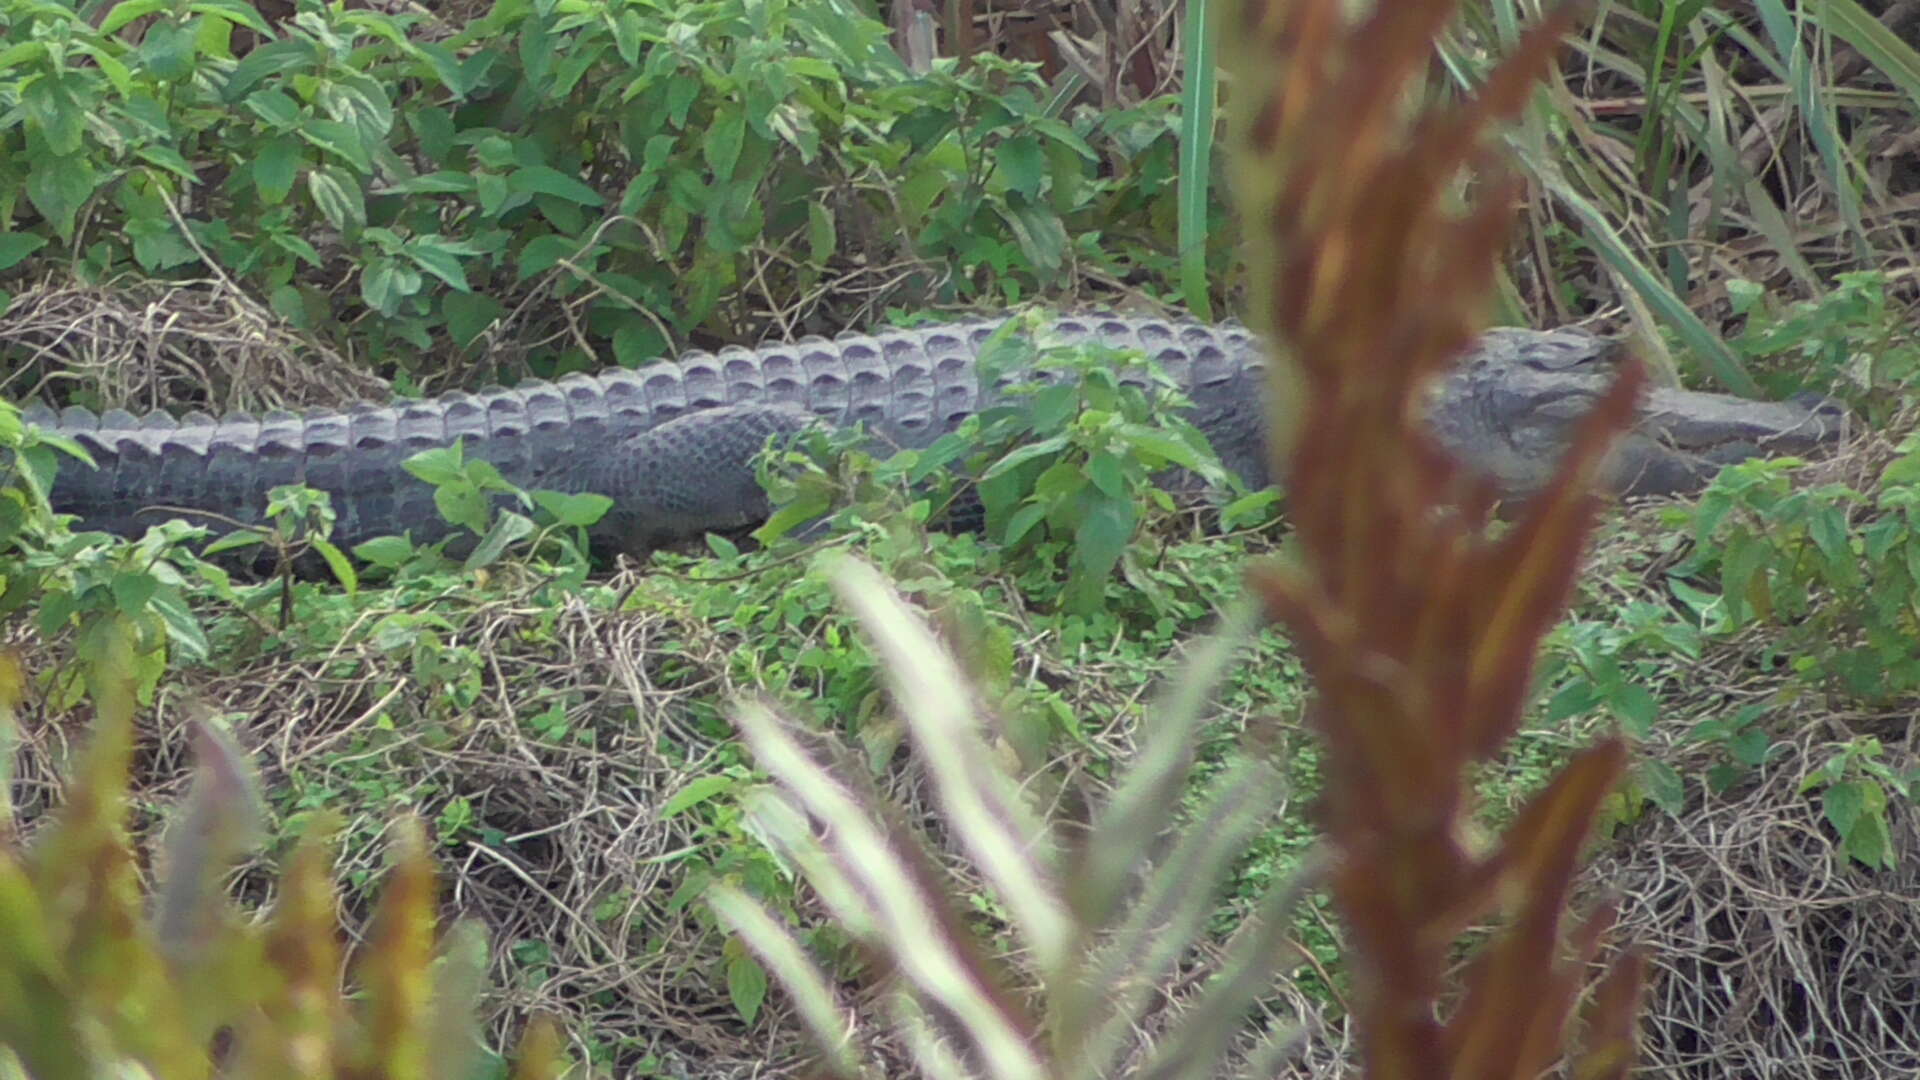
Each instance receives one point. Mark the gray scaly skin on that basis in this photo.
(672, 442)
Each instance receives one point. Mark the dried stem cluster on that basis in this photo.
(1418, 626)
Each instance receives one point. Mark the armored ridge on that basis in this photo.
(672, 442)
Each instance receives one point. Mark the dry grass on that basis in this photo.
(151, 344)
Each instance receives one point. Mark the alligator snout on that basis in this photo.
(1685, 437)
(1699, 421)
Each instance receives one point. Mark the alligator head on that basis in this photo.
(1509, 409)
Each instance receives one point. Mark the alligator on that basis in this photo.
(672, 442)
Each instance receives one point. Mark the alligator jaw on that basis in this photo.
(1684, 437)
(1705, 422)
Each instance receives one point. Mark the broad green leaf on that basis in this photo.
(342, 140)
(796, 127)
(543, 254)
(434, 183)
(15, 246)
(127, 11)
(1108, 474)
(387, 551)
(361, 104)
(1636, 708)
(1843, 803)
(55, 108)
(337, 563)
(183, 629)
(276, 167)
(1022, 165)
(1828, 526)
(469, 314)
(510, 528)
(1040, 232)
(169, 159)
(493, 192)
(438, 262)
(59, 186)
(1104, 535)
(546, 180)
(298, 247)
(462, 505)
(693, 793)
(1023, 522)
(627, 31)
(822, 238)
(233, 11)
(746, 986)
(166, 51)
(1575, 698)
(385, 284)
(577, 510)
(270, 59)
(1871, 843)
(1176, 450)
(338, 198)
(275, 107)
(1664, 785)
(237, 540)
(1022, 454)
(1052, 407)
(722, 145)
(1060, 484)
(1750, 747)
(27, 52)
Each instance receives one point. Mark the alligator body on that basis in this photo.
(672, 442)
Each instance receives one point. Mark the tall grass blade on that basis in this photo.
(1007, 842)
(1898, 60)
(1142, 804)
(1192, 1051)
(899, 899)
(787, 959)
(1165, 920)
(1197, 102)
(1817, 113)
(1671, 308)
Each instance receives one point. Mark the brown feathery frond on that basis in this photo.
(1418, 627)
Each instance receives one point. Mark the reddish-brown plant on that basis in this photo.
(1418, 626)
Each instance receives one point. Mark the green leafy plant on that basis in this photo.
(96, 586)
(1852, 339)
(1073, 462)
(1828, 564)
(1854, 785)
(1062, 473)
(601, 180)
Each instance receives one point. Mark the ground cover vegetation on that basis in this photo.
(221, 205)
